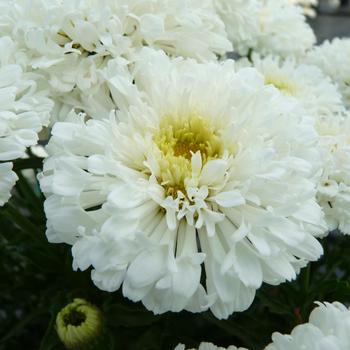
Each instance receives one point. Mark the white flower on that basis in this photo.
(199, 168)
(188, 28)
(305, 83)
(283, 30)
(241, 21)
(23, 112)
(70, 41)
(321, 100)
(334, 188)
(328, 329)
(275, 27)
(333, 59)
(209, 346)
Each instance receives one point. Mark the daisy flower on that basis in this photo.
(283, 30)
(328, 328)
(332, 57)
(198, 189)
(320, 98)
(305, 83)
(241, 22)
(23, 113)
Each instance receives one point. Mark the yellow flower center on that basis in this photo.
(178, 139)
(282, 84)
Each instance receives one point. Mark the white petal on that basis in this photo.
(229, 199)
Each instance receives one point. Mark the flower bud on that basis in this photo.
(79, 324)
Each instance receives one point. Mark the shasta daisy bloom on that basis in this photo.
(328, 328)
(321, 100)
(334, 187)
(305, 83)
(23, 112)
(71, 40)
(333, 59)
(241, 22)
(208, 346)
(283, 30)
(200, 169)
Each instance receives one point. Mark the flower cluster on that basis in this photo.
(69, 42)
(183, 177)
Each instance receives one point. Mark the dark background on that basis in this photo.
(330, 25)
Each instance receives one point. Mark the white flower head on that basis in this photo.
(23, 112)
(201, 168)
(208, 346)
(276, 27)
(283, 30)
(328, 328)
(241, 22)
(321, 99)
(333, 59)
(334, 187)
(305, 83)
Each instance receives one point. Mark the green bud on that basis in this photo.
(79, 324)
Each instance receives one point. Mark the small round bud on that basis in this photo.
(79, 324)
